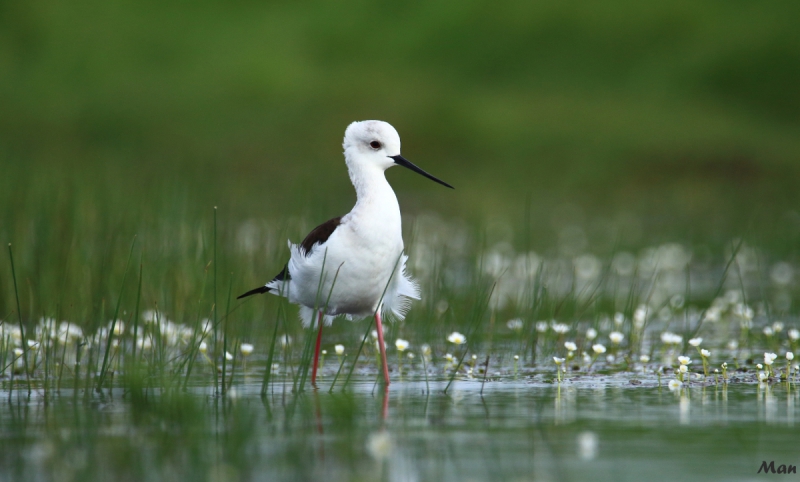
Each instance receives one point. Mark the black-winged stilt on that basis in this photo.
(362, 250)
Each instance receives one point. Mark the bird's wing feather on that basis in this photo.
(319, 235)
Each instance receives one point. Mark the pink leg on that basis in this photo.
(316, 352)
(382, 347)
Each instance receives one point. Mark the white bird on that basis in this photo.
(344, 265)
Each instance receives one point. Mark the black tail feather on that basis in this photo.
(257, 291)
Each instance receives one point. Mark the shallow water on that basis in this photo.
(592, 427)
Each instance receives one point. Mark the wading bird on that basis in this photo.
(354, 265)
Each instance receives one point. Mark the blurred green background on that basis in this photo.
(120, 118)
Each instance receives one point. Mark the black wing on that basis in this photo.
(320, 234)
(283, 275)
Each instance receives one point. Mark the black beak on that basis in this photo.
(402, 161)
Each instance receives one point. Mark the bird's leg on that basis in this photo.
(381, 346)
(316, 352)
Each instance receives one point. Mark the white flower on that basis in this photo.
(696, 341)
(640, 315)
(669, 338)
(768, 331)
(599, 349)
(449, 358)
(684, 369)
(619, 318)
(769, 358)
(733, 344)
(570, 346)
(286, 340)
(644, 358)
(684, 360)
(610, 358)
(410, 356)
(401, 344)
(777, 326)
(794, 334)
(762, 376)
(33, 345)
(203, 347)
(759, 366)
(516, 357)
(591, 334)
(675, 384)
(456, 338)
(560, 328)
(324, 352)
(724, 365)
(339, 349)
(542, 326)
(426, 349)
(616, 337)
(18, 352)
(558, 361)
(789, 356)
(228, 356)
(705, 353)
(246, 349)
(515, 324)
(379, 445)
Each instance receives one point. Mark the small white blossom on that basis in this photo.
(794, 334)
(246, 349)
(228, 356)
(558, 361)
(696, 341)
(644, 358)
(456, 338)
(684, 369)
(410, 356)
(203, 347)
(619, 319)
(768, 331)
(339, 349)
(733, 344)
(591, 334)
(571, 346)
(449, 357)
(762, 376)
(705, 353)
(616, 337)
(789, 356)
(599, 349)
(669, 338)
(542, 326)
(515, 324)
(516, 357)
(401, 344)
(560, 328)
(684, 360)
(675, 384)
(759, 366)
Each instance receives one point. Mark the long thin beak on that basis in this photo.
(402, 161)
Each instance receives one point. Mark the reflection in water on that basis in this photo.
(516, 430)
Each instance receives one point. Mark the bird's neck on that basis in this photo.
(374, 196)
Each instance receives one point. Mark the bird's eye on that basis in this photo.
(375, 145)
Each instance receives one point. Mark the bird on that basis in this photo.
(354, 265)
